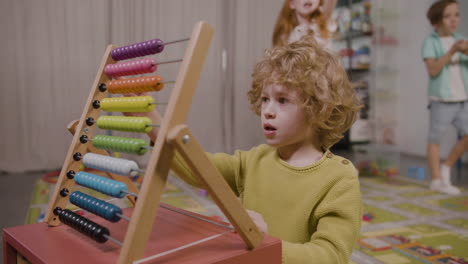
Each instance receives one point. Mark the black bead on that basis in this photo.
(96, 104)
(90, 120)
(71, 174)
(102, 87)
(57, 210)
(77, 156)
(84, 139)
(64, 192)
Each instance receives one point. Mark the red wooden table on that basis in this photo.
(39, 243)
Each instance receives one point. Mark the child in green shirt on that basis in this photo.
(293, 187)
(445, 55)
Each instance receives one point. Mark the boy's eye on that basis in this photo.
(282, 100)
(264, 99)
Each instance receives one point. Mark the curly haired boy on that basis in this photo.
(293, 187)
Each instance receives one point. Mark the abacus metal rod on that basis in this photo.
(145, 260)
(138, 170)
(119, 215)
(175, 41)
(147, 147)
(185, 213)
(129, 193)
(197, 217)
(166, 62)
(123, 216)
(114, 240)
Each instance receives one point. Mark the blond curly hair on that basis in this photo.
(328, 96)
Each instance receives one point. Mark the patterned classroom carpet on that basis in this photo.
(403, 221)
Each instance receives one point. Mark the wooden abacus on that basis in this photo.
(173, 136)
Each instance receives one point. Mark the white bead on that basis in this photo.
(110, 164)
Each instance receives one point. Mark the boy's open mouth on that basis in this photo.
(269, 127)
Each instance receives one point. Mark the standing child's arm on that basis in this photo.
(435, 65)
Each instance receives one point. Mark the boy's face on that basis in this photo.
(304, 7)
(284, 121)
(450, 19)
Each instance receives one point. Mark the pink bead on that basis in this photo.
(131, 68)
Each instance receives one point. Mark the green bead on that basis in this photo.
(125, 123)
(120, 144)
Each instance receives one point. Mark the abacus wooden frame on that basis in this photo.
(158, 167)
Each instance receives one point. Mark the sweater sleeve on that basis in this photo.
(336, 222)
(229, 166)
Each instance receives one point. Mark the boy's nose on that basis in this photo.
(269, 112)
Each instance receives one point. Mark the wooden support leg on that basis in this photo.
(185, 143)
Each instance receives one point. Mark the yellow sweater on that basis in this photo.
(315, 210)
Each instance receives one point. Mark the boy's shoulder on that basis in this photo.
(256, 152)
(260, 149)
(431, 37)
(341, 166)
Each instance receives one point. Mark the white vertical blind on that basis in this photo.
(49, 58)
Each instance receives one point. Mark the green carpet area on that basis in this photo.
(403, 221)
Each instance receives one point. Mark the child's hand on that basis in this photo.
(459, 46)
(258, 220)
(465, 47)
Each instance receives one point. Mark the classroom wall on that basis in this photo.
(52, 50)
(50, 56)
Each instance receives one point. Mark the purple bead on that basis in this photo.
(159, 46)
(153, 46)
(138, 51)
(126, 52)
(142, 49)
(121, 53)
(145, 47)
(116, 54)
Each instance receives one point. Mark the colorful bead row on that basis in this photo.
(103, 185)
(138, 49)
(83, 225)
(128, 104)
(110, 164)
(135, 67)
(136, 85)
(96, 206)
(125, 123)
(120, 144)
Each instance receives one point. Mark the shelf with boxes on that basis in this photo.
(352, 42)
